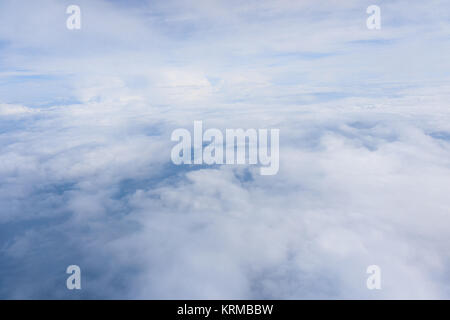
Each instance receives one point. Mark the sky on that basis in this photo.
(86, 176)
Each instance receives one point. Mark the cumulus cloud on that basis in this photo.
(85, 170)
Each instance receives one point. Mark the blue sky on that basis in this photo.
(85, 170)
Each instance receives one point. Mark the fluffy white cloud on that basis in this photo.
(86, 176)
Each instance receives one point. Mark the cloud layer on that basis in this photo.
(85, 170)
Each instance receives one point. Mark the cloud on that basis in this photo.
(86, 176)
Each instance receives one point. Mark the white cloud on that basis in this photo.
(364, 170)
